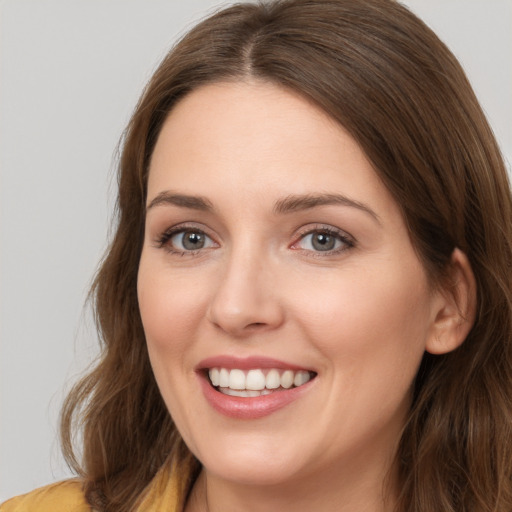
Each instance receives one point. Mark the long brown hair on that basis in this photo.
(384, 75)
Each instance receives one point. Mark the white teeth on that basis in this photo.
(287, 379)
(215, 376)
(245, 393)
(273, 380)
(301, 377)
(237, 379)
(254, 382)
(223, 378)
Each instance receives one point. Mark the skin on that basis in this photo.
(360, 316)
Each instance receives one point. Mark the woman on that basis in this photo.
(307, 302)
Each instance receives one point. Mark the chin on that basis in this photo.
(252, 471)
(250, 461)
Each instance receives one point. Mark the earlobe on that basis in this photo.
(455, 307)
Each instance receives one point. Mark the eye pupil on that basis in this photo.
(193, 240)
(323, 242)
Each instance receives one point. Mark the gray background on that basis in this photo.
(70, 74)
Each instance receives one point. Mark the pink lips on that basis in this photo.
(247, 407)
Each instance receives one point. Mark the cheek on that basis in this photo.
(380, 318)
(371, 332)
(171, 308)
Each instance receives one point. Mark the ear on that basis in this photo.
(454, 307)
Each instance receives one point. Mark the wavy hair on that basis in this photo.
(395, 87)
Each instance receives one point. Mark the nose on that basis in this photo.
(246, 300)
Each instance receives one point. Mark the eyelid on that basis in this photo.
(162, 238)
(348, 240)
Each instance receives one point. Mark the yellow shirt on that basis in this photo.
(67, 496)
(64, 496)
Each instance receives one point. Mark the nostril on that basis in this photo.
(243, 314)
(256, 325)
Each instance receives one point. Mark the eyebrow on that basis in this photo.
(288, 204)
(185, 201)
(295, 203)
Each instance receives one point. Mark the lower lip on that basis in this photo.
(250, 408)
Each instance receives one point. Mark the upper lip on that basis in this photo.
(246, 363)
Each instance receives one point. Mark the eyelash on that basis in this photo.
(162, 242)
(346, 240)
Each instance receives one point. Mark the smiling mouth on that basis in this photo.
(256, 382)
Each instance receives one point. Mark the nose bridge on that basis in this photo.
(245, 300)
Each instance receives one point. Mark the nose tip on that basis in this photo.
(244, 317)
(239, 323)
(245, 303)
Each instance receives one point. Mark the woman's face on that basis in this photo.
(275, 259)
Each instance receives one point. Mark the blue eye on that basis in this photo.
(184, 240)
(190, 240)
(323, 240)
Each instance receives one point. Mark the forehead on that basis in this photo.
(258, 140)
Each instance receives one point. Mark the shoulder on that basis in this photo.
(66, 496)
